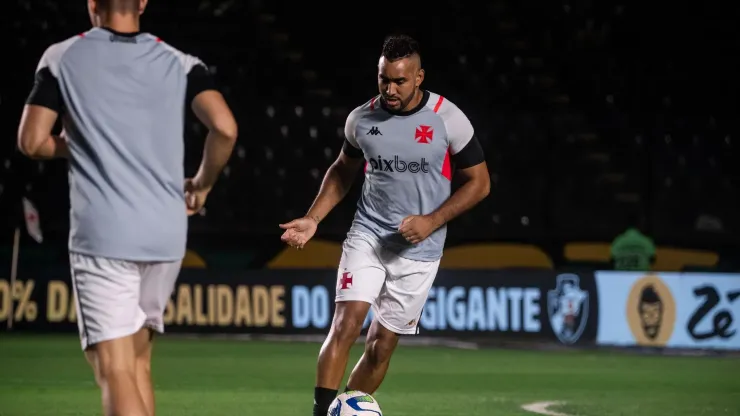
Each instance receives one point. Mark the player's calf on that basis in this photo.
(345, 329)
(370, 371)
(114, 365)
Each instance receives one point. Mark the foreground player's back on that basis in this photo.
(124, 98)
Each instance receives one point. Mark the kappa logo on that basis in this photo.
(374, 131)
(567, 307)
(424, 134)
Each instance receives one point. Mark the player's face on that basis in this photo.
(398, 82)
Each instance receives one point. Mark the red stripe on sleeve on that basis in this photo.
(439, 103)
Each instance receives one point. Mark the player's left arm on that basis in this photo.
(40, 113)
(476, 186)
(470, 164)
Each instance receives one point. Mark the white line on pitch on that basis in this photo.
(541, 408)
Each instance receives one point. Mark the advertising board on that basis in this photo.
(675, 310)
(532, 305)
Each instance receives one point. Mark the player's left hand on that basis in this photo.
(416, 228)
(195, 196)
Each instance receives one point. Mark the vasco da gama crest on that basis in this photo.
(567, 307)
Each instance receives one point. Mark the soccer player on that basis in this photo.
(409, 139)
(122, 95)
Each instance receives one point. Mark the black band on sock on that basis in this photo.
(322, 399)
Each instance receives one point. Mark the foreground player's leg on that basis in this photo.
(373, 366)
(107, 294)
(114, 366)
(345, 329)
(143, 346)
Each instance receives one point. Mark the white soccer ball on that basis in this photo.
(354, 403)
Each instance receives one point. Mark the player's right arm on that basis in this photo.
(211, 109)
(336, 184)
(43, 106)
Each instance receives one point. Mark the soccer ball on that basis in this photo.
(354, 403)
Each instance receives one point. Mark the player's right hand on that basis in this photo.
(298, 232)
(195, 196)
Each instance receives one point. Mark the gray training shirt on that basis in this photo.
(409, 159)
(123, 97)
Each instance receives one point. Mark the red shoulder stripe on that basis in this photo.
(439, 103)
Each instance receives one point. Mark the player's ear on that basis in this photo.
(142, 6)
(419, 77)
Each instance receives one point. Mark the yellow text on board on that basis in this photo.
(190, 305)
(223, 305)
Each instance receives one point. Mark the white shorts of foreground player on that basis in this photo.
(116, 298)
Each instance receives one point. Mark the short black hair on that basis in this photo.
(119, 5)
(400, 46)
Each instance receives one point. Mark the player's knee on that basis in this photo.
(108, 370)
(347, 328)
(347, 323)
(112, 362)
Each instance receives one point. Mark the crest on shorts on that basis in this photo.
(345, 282)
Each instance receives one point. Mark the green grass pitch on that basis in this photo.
(47, 375)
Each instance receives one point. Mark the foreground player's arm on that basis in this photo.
(43, 106)
(34, 134)
(211, 109)
(337, 182)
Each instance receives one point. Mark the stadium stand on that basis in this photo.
(580, 135)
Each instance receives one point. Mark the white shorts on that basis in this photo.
(116, 298)
(396, 287)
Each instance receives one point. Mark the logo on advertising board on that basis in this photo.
(651, 311)
(567, 307)
(713, 318)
